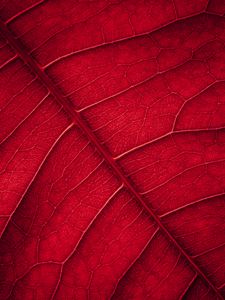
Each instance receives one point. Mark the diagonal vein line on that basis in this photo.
(133, 263)
(188, 287)
(76, 118)
(124, 39)
(82, 236)
(36, 174)
(22, 12)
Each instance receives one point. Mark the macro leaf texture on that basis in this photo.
(112, 149)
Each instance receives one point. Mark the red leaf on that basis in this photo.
(112, 171)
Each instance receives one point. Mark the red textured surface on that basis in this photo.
(112, 144)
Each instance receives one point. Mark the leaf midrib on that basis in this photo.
(76, 118)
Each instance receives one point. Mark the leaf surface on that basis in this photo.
(112, 171)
